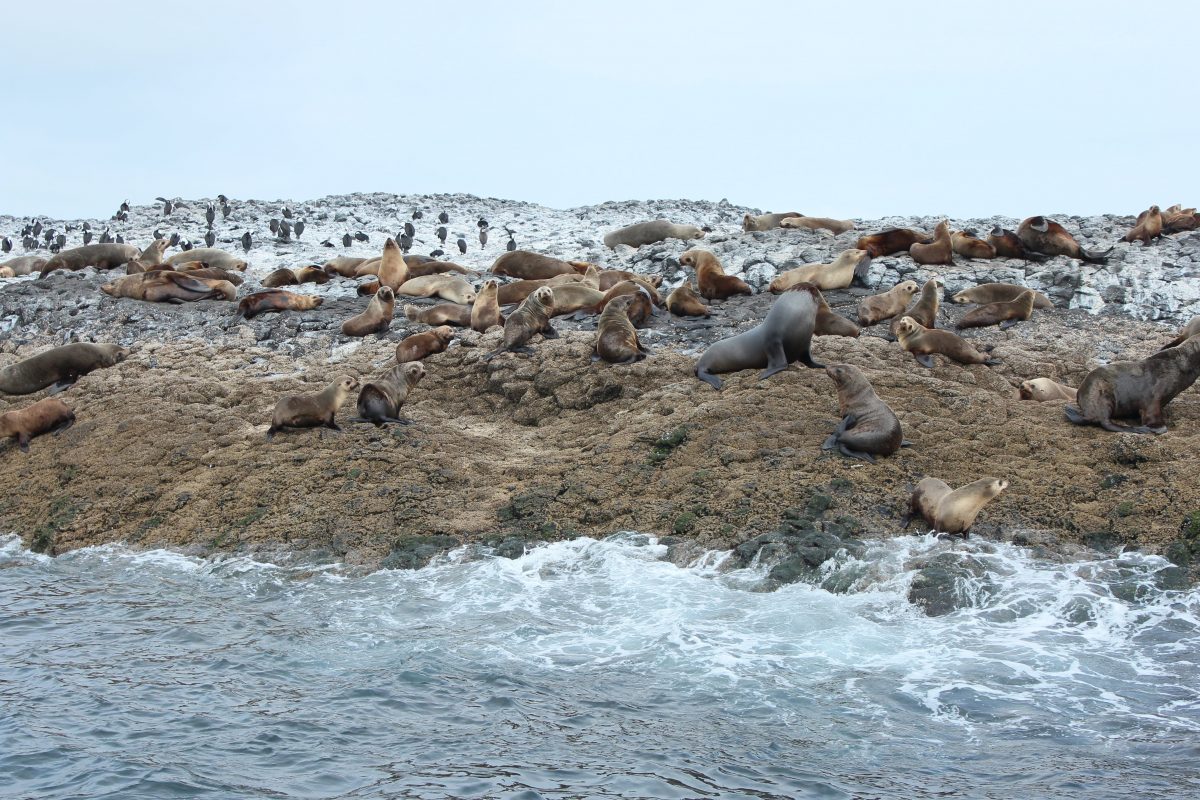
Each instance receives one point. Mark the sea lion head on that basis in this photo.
(906, 326)
(347, 383)
(1154, 210)
(747, 223)
(997, 230)
(909, 288)
(688, 259)
(413, 372)
(1039, 224)
(443, 332)
(544, 295)
(385, 294)
(114, 354)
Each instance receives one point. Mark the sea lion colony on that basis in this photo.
(524, 291)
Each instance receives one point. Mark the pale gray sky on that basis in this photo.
(841, 109)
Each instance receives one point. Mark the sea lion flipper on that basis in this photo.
(548, 332)
(1074, 415)
(776, 358)
(855, 454)
(63, 385)
(1008, 323)
(709, 378)
(23, 442)
(830, 442)
(925, 360)
(992, 362)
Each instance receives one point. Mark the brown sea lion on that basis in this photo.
(443, 285)
(424, 344)
(711, 278)
(766, 222)
(572, 297)
(650, 233)
(379, 401)
(7, 272)
(968, 245)
(1189, 330)
(393, 271)
(213, 274)
(925, 309)
(60, 366)
(784, 336)
(534, 266)
(169, 286)
(346, 266)
(1047, 236)
(868, 427)
(939, 251)
(24, 265)
(1177, 220)
(1008, 245)
(683, 302)
(154, 252)
(616, 338)
(831, 323)
(1149, 226)
(641, 307)
(879, 307)
(99, 256)
(834, 226)
(1005, 313)
(211, 256)
(1136, 389)
(485, 311)
(999, 293)
(924, 343)
(1045, 389)
(850, 265)
(953, 511)
(440, 314)
(611, 277)
(376, 318)
(280, 277)
(891, 241)
(531, 317)
(312, 410)
(276, 300)
(45, 416)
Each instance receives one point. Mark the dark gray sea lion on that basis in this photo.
(379, 401)
(60, 366)
(312, 410)
(651, 232)
(100, 256)
(868, 427)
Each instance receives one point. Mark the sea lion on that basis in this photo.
(891, 241)
(879, 307)
(1149, 226)
(312, 410)
(393, 271)
(276, 300)
(641, 307)
(683, 302)
(440, 314)
(830, 323)
(169, 286)
(485, 311)
(572, 297)
(24, 265)
(534, 266)
(848, 266)
(46, 415)
(99, 256)
(210, 273)
(7, 272)
(376, 318)
(1045, 389)
(211, 256)
(423, 265)
(1136, 389)
(346, 266)
(784, 336)
(424, 344)
(939, 251)
(868, 427)
(1177, 219)
(61, 366)
(953, 511)
(711, 278)
(969, 245)
(445, 286)
(611, 277)
(999, 293)
(1005, 313)
(834, 226)
(925, 310)
(295, 277)
(379, 401)
(616, 338)
(765, 222)
(153, 254)
(1047, 236)
(651, 232)
(1008, 245)
(1189, 330)
(924, 343)
(280, 277)
(531, 317)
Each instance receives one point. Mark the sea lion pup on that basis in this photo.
(312, 410)
(376, 318)
(1136, 389)
(925, 309)
(100, 256)
(380, 400)
(999, 293)
(424, 344)
(848, 266)
(924, 342)
(891, 241)
(346, 266)
(641, 307)
(572, 297)
(868, 427)
(169, 286)
(46, 415)
(650, 233)
(879, 307)
(445, 286)
(1005, 313)
(765, 222)
(831, 323)
(711, 278)
(1047, 236)
(939, 251)
(1043, 389)
(953, 511)
(683, 302)
(968, 245)
(834, 226)
(276, 300)
(485, 311)
(531, 317)
(60, 366)
(784, 336)
(440, 314)
(211, 256)
(1149, 226)
(1189, 330)
(611, 277)
(534, 266)
(23, 265)
(616, 338)
(393, 271)
(1008, 245)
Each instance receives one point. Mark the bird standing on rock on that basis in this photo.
(167, 208)
(409, 230)
(287, 213)
(174, 239)
(418, 214)
(274, 227)
(6, 244)
(226, 210)
(87, 237)
(483, 237)
(299, 227)
(443, 217)
(210, 239)
(346, 240)
(405, 243)
(462, 245)
(512, 240)
(442, 233)
(362, 237)
(210, 213)
(285, 231)
(246, 241)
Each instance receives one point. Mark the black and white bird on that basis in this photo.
(274, 227)
(87, 236)
(124, 206)
(105, 237)
(483, 237)
(346, 240)
(409, 230)
(443, 217)
(442, 233)
(210, 213)
(418, 214)
(462, 245)
(512, 241)
(168, 207)
(174, 240)
(226, 210)
(362, 237)
(287, 213)
(437, 253)
(29, 243)
(37, 227)
(210, 239)
(299, 227)
(483, 223)
(285, 231)
(6, 245)
(247, 241)
(120, 239)
(405, 243)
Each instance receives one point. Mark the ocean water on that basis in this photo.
(592, 669)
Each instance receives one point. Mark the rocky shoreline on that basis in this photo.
(169, 449)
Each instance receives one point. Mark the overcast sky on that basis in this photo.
(840, 109)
